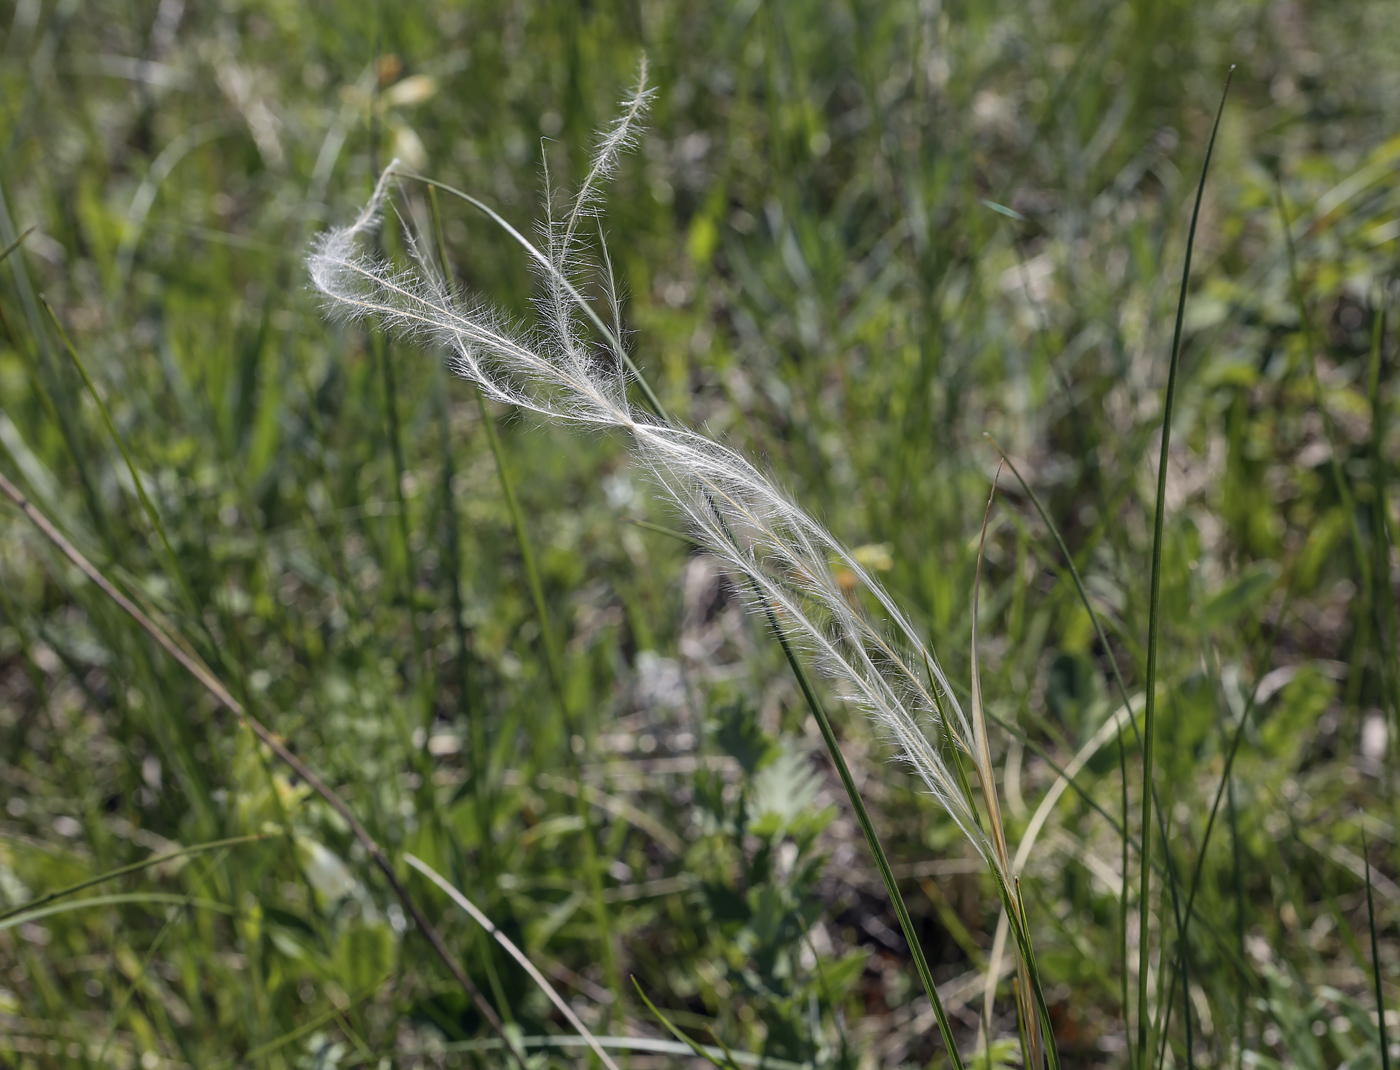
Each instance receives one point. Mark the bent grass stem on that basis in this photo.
(211, 683)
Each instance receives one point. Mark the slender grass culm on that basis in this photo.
(736, 512)
(1146, 1029)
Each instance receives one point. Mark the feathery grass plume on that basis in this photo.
(738, 513)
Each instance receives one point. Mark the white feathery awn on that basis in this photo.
(573, 367)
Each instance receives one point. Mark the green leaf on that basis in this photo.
(1241, 595)
(1301, 702)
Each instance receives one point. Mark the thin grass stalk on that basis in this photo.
(311, 1026)
(27, 300)
(17, 731)
(720, 1058)
(453, 568)
(147, 506)
(1182, 961)
(17, 242)
(221, 694)
(1383, 598)
(1225, 785)
(1149, 723)
(409, 579)
(1375, 953)
(982, 762)
(479, 758)
(1237, 882)
(1122, 751)
(39, 370)
(1310, 345)
(173, 564)
(1167, 871)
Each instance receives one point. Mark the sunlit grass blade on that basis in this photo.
(1145, 1041)
(519, 956)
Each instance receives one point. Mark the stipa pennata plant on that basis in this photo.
(573, 367)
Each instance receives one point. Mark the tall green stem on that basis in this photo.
(1149, 722)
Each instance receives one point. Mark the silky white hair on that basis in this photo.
(573, 367)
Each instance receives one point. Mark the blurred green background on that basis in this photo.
(855, 237)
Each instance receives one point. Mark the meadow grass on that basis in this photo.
(851, 241)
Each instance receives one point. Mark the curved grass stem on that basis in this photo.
(1145, 1038)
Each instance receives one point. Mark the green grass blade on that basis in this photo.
(1375, 954)
(519, 956)
(146, 504)
(409, 578)
(4, 253)
(1144, 1042)
(117, 898)
(696, 1049)
(122, 871)
(135, 983)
